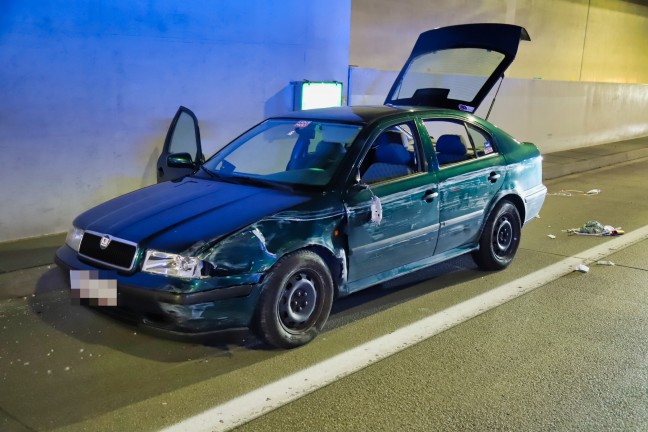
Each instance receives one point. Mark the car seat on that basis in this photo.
(326, 154)
(450, 148)
(391, 161)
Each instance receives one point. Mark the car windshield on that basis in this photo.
(296, 152)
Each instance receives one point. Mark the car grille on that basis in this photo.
(119, 253)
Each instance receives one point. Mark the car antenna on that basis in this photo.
(494, 97)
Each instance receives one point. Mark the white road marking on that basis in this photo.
(267, 398)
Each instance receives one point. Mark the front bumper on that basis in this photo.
(227, 309)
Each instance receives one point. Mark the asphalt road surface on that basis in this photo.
(570, 355)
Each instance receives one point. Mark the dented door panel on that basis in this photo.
(466, 192)
(407, 232)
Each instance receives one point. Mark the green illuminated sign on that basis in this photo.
(309, 94)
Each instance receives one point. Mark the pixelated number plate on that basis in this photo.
(93, 287)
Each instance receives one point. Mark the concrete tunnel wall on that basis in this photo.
(554, 115)
(89, 88)
(581, 81)
(571, 40)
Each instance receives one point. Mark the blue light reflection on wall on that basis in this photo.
(89, 88)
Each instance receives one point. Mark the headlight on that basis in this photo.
(74, 237)
(169, 264)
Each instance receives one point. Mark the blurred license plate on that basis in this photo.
(97, 288)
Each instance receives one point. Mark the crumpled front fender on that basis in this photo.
(257, 247)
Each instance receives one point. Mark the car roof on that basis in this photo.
(359, 114)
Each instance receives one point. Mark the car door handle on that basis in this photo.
(430, 195)
(493, 177)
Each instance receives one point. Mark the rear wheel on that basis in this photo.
(500, 238)
(296, 300)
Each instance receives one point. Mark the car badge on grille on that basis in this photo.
(105, 241)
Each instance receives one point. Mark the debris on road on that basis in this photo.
(605, 263)
(551, 236)
(595, 228)
(582, 268)
(571, 192)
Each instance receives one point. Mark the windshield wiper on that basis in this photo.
(259, 182)
(239, 179)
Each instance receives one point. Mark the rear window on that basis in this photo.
(456, 74)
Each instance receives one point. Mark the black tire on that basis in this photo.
(296, 300)
(500, 238)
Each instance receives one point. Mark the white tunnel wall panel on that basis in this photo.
(564, 115)
(554, 115)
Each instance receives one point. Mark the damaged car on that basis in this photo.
(308, 207)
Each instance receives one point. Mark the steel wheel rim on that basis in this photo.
(297, 302)
(503, 238)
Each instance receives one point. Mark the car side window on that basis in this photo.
(457, 142)
(481, 141)
(450, 140)
(184, 136)
(396, 152)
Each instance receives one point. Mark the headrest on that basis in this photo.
(392, 154)
(329, 148)
(450, 144)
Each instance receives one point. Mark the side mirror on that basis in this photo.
(180, 160)
(356, 188)
(359, 185)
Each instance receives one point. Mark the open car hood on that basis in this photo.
(455, 67)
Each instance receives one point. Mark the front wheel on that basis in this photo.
(500, 238)
(296, 300)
